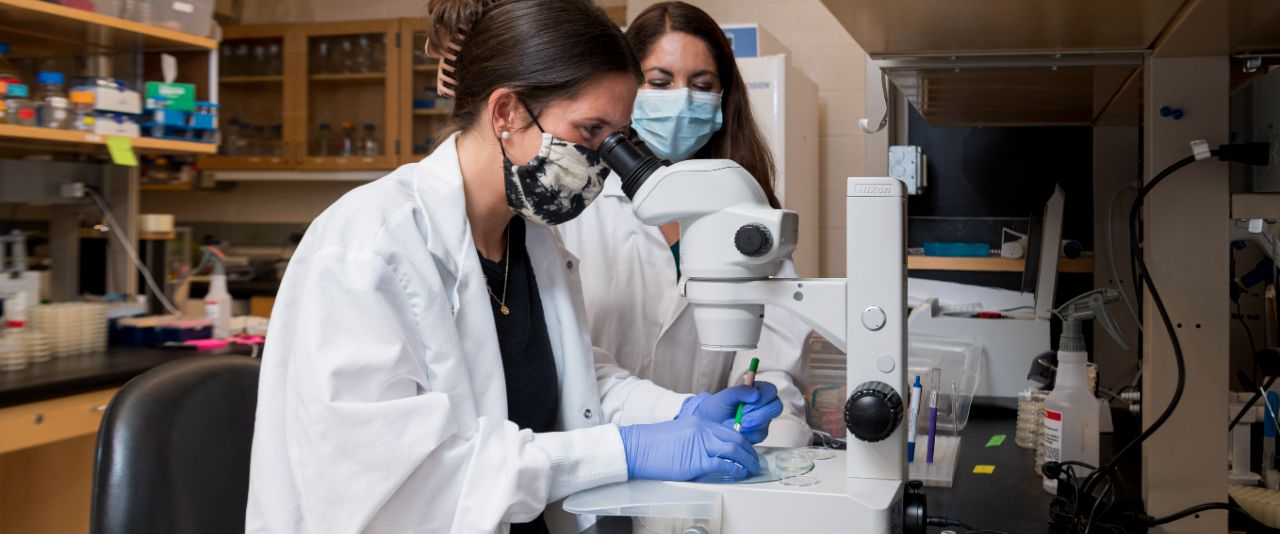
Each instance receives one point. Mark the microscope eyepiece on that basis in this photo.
(631, 160)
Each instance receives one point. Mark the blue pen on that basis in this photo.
(913, 420)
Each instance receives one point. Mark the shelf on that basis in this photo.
(62, 140)
(39, 29)
(991, 264)
(432, 112)
(348, 77)
(250, 79)
(90, 233)
(183, 186)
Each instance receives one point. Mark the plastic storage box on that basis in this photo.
(189, 16)
(958, 364)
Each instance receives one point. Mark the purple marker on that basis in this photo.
(933, 422)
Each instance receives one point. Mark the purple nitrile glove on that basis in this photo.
(685, 449)
(762, 407)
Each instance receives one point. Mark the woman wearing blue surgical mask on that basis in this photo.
(692, 104)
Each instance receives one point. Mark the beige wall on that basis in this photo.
(822, 49)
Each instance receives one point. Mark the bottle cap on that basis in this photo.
(17, 90)
(4, 86)
(50, 77)
(27, 113)
(4, 47)
(82, 97)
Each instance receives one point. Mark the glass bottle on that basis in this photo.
(276, 142)
(8, 72)
(53, 109)
(348, 140)
(324, 140)
(82, 102)
(369, 142)
(346, 56)
(273, 60)
(19, 108)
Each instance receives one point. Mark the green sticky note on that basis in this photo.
(121, 149)
(984, 469)
(996, 440)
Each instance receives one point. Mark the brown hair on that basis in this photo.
(739, 139)
(543, 50)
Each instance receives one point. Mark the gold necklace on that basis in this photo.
(506, 270)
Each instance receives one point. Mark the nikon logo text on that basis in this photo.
(873, 190)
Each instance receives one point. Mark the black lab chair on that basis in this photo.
(173, 449)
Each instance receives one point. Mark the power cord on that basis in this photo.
(1255, 526)
(945, 522)
(1249, 153)
(114, 229)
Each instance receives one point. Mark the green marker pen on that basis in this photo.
(747, 380)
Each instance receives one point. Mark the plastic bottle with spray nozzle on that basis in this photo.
(1071, 410)
(217, 302)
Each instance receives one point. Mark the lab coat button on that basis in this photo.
(586, 414)
(873, 318)
(569, 264)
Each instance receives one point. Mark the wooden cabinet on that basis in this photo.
(46, 462)
(318, 96)
(424, 113)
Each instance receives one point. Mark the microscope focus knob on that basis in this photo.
(873, 412)
(753, 240)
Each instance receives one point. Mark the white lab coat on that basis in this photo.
(637, 314)
(382, 404)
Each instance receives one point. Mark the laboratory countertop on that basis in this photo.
(1009, 499)
(77, 374)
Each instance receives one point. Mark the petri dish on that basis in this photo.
(795, 463)
(799, 481)
(819, 453)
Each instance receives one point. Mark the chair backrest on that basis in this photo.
(173, 449)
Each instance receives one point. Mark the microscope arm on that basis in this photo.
(819, 302)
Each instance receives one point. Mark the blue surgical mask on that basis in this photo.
(676, 123)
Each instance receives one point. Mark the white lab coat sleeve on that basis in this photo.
(630, 400)
(376, 446)
(781, 352)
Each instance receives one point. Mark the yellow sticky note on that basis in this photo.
(984, 469)
(121, 149)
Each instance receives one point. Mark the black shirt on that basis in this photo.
(529, 366)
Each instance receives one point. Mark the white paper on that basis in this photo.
(169, 66)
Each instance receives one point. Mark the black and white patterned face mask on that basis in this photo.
(558, 184)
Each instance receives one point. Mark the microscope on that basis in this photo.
(732, 243)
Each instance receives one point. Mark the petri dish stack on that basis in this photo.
(12, 354)
(39, 346)
(1030, 417)
(72, 328)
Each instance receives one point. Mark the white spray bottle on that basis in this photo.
(1071, 410)
(217, 302)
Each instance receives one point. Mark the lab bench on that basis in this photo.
(49, 417)
(1009, 499)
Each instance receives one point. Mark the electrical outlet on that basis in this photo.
(72, 190)
(907, 163)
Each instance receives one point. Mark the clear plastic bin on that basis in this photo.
(188, 16)
(959, 364)
(958, 361)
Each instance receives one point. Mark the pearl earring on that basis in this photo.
(506, 135)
